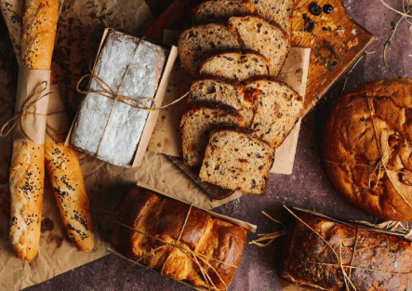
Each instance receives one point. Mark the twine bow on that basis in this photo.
(108, 92)
(197, 258)
(36, 96)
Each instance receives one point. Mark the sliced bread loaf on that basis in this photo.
(200, 40)
(259, 35)
(279, 108)
(196, 125)
(237, 161)
(229, 93)
(221, 10)
(278, 11)
(234, 65)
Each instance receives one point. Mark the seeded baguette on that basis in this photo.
(224, 92)
(234, 65)
(268, 39)
(236, 160)
(200, 40)
(279, 108)
(66, 178)
(26, 179)
(221, 10)
(198, 122)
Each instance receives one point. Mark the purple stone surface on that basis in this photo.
(308, 187)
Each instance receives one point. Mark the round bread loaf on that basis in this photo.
(367, 148)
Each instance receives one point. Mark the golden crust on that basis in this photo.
(69, 189)
(163, 219)
(357, 148)
(39, 33)
(26, 193)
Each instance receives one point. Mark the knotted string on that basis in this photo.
(347, 279)
(108, 92)
(197, 258)
(36, 96)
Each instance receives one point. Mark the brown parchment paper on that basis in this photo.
(80, 28)
(32, 127)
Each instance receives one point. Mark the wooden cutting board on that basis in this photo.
(335, 40)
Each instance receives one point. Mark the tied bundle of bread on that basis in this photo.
(178, 240)
(239, 113)
(34, 44)
(328, 254)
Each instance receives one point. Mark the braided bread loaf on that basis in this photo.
(180, 241)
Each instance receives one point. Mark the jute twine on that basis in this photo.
(347, 277)
(197, 258)
(18, 118)
(108, 92)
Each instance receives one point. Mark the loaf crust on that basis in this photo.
(161, 220)
(39, 26)
(26, 179)
(26, 198)
(352, 155)
(307, 260)
(63, 167)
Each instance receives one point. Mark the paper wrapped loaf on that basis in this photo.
(109, 126)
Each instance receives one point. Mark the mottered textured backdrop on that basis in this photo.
(307, 187)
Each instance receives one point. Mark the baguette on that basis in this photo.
(63, 168)
(26, 179)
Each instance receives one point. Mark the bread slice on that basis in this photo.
(200, 40)
(196, 125)
(234, 65)
(278, 11)
(259, 35)
(221, 10)
(235, 160)
(219, 91)
(279, 108)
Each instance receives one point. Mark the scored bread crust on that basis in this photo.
(234, 64)
(26, 181)
(66, 178)
(39, 26)
(235, 159)
(160, 220)
(376, 176)
(196, 124)
(279, 108)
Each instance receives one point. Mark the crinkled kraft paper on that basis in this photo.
(80, 28)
